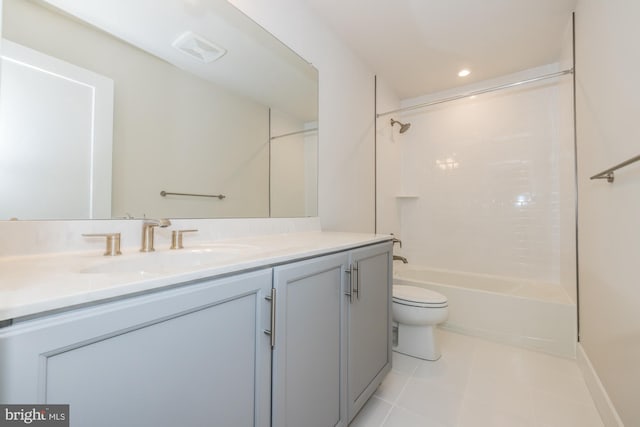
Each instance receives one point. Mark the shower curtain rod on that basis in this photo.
(477, 92)
(293, 133)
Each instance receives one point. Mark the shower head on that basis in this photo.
(403, 126)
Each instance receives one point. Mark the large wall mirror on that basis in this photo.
(132, 108)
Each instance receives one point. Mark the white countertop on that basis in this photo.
(35, 284)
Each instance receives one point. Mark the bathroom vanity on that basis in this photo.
(286, 330)
(325, 342)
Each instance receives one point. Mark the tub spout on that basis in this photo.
(400, 258)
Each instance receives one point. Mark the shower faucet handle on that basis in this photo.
(396, 240)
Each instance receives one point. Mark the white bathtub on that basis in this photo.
(529, 314)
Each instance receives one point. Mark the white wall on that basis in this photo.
(486, 172)
(346, 117)
(389, 167)
(608, 132)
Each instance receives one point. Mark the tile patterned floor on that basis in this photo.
(479, 383)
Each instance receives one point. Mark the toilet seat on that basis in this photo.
(414, 296)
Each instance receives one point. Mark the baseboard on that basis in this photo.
(556, 347)
(608, 412)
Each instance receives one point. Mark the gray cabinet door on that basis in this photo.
(309, 357)
(195, 355)
(369, 323)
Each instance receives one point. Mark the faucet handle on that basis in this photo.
(113, 242)
(176, 238)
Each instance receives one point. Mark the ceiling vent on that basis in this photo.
(198, 47)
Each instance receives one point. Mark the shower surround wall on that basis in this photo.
(492, 180)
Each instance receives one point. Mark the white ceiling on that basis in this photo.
(418, 46)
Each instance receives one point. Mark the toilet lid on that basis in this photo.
(414, 295)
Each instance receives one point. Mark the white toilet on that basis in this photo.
(417, 311)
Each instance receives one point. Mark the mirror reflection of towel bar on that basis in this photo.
(166, 193)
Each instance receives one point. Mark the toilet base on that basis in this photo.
(418, 341)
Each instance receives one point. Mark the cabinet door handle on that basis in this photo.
(350, 293)
(356, 279)
(272, 332)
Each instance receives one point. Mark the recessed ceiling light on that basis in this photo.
(464, 73)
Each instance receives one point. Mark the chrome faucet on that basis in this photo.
(148, 227)
(400, 258)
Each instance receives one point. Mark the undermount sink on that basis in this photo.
(163, 262)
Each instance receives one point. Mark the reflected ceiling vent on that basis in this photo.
(198, 47)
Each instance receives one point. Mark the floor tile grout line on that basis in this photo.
(386, 417)
(404, 387)
(394, 403)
